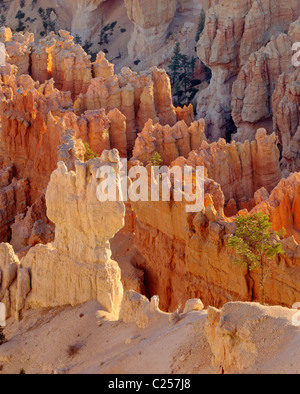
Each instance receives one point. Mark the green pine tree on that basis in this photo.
(89, 154)
(156, 160)
(175, 66)
(77, 39)
(201, 25)
(256, 245)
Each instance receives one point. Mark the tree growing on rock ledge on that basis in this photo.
(156, 160)
(256, 245)
(181, 71)
(89, 154)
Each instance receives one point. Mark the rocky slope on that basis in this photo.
(240, 338)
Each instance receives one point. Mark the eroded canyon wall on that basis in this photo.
(233, 31)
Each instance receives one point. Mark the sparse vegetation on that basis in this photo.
(156, 160)
(49, 23)
(87, 48)
(89, 154)
(73, 350)
(20, 16)
(201, 25)
(256, 245)
(77, 39)
(106, 32)
(181, 71)
(2, 20)
(22, 372)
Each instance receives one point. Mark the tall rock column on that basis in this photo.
(77, 266)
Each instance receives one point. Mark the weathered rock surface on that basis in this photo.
(32, 227)
(282, 205)
(233, 31)
(29, 132)
(236, 336)
(169, 142)
(257, 80)
(241, 169)
(58, 57)
(286, 117)
(14, 200)
(100, 131)
(78, 263)
(186, 254)
(151, 21)
(77, 266)
(18, 49)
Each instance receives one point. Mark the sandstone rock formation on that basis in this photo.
(32, 228)
(138, 97)
(236, 332)
(285, 102)
(77, 266)
(45, 121)
(257, 80)
(100, 131)
(282, 205)
(241, 169)
(178, 245)
(29, 136)
(18, 48)
(14, 200)
(138, 309)
(169, 142)
(186, 257)
(58, 57)
(233, 31)
(151, 21)
(41, 124)
(84, 16)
